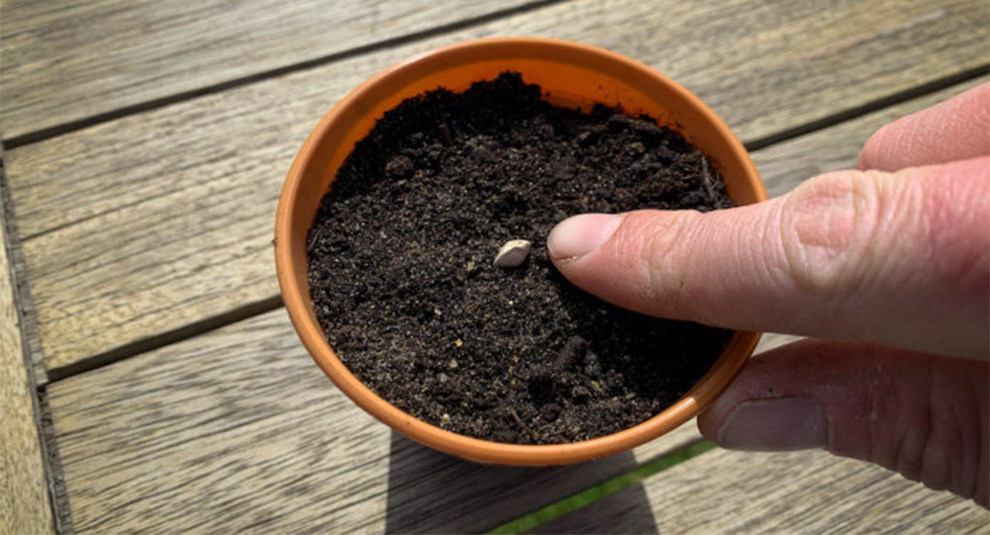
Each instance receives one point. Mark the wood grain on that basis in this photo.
(24, 502)
(238, 430)
(145, 224)
(68, 60)
(797, 492)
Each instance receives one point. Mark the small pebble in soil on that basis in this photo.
(513, 253)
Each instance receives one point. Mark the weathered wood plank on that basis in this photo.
(786, 164)
(797, 492)
(72, 59)
(238, 430)
(24, 502)
(145, 224)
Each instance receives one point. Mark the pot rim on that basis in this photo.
(296, 303)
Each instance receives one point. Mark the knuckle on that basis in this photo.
(920, 415)
(954, 446)
(828, 229)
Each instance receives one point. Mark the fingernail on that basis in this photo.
(779, 424)
(580, 235)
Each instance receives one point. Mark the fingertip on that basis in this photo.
(956, 129)
(759, 411)
(581, 235)
(675, 264)
(622, 258)
(708, 424)
(712, 419)
(869, 157)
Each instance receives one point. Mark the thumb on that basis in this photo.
(921, 415)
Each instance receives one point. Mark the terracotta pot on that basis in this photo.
(574, 75)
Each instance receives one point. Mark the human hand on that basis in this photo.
(888, 267)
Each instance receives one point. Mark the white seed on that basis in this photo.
(513, 253)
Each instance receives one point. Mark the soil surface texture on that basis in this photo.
(402, 277)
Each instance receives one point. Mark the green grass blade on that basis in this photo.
(607, 488)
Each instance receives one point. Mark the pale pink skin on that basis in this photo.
(887, 266)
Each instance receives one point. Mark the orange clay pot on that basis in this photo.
(574, 75)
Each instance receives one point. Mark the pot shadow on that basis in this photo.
(432, 492)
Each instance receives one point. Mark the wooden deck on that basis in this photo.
(162, 388)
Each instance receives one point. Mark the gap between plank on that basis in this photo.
(604, 489)
(93, 120)
(50, 461)
(191, 330)
(23, 301)
(57, 491)
(852, 113)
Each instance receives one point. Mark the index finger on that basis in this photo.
(900, 259)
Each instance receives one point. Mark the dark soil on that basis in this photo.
(404, 287)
